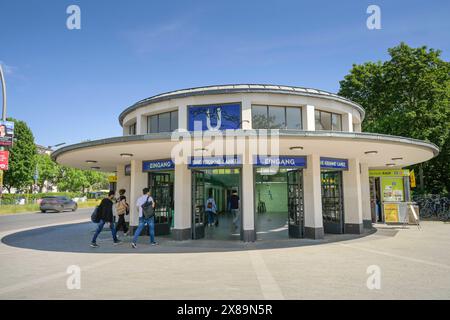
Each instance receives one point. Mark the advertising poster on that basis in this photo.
(391, 212)
(4, 160)
(392, 189)
(6, 133)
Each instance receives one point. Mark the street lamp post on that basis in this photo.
(2, 78)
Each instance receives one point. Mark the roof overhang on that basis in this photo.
(107, 152)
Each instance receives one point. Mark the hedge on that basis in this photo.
(12, 198)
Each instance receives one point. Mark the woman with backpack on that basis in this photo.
(211, 209)
(122, 209)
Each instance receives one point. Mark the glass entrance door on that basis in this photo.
(295, 203)
(161, 186)
(198, 204)
(332, 202)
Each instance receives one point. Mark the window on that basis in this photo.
(259, 117)
(294, 118)
(328, 121)
(274, 117)
(163, 122)
(277, 117)
(174, 121)
(132, 129)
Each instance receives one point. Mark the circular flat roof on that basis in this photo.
(241, 88)
(106, 152)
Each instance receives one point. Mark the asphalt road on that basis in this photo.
(39, 263)
(27, 220)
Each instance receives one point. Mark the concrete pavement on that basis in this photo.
(33, 265)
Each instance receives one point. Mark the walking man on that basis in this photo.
(143, 220)
(234, 204)
(105, 211)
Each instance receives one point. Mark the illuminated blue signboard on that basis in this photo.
(331, 163)
(158, 165)
(214, 162)
(214, 117)
(281, 161)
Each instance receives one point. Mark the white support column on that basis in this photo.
(182, 199)
(313, 198)
(182, 117)
(138, 181)
(347, 122)
(248, 204)
(365, 196)
(141, 124)
(246, 114)
(352, 198)
(308, 118)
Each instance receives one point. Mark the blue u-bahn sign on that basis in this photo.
(331, 163)
(157, 165)
(214, 117)
(279, 161)
(215, 162)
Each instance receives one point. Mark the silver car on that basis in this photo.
(57, 203)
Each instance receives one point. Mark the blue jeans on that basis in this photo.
(151, 226)
(211, 217)
(100, 226)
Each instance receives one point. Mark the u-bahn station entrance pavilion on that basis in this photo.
(295, 157)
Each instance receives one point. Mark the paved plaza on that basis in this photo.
(36, 251)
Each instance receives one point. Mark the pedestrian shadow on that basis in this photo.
(75, 238)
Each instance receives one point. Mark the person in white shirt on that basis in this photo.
(146, 197)
(211, 209)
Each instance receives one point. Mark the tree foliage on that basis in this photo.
(22, 158)
(407, 95)
(76, 180)
(47, 171)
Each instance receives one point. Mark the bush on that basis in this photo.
(14, 198)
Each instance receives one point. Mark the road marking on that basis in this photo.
(269, 287)
(392, 255)
(44, 279)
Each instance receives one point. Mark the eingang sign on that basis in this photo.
(153, 165)
(280, 161)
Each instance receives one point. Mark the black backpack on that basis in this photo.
(95, 216)
(147, 209)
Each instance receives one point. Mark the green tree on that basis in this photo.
(407, 95)
(22, 158)
(76, 180)
(71, 180)
(96, 180)
(47, 170)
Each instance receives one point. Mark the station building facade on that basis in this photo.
(295, 156)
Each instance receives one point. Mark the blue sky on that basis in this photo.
(71, 85)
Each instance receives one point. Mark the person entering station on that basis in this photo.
(212, 194)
